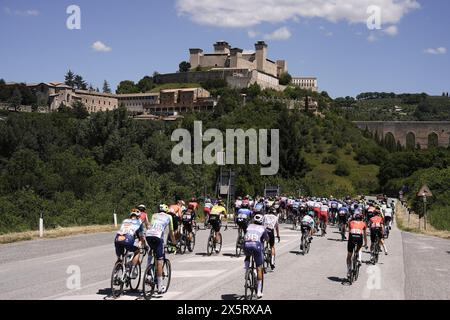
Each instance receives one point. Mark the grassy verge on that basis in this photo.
(401, 218)
(55, 233)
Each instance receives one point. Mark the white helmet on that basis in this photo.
(258, 219)
(141, 206)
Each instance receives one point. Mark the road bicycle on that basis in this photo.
(184, 243)
(354, 271)
(150, 276)
(125, 274)
(214, 245)
(240, 242)
(251, 281)
(267, 256)
(304, 242)
(374, 253)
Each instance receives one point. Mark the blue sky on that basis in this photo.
(332, 43)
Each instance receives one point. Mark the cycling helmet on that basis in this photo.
(193, 200)
(163, 208)
(272, 210)
(311, 213)
(220, 202)
(258, 219)
(141, 207)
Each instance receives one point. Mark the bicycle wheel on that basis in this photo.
(191, 243)
(249, 284)
(210, 244)
(302, 244)
(218, 245)
(307, 244)
(183, 243)
(149, 282)
(167, 274)
(134, 283)
(356, 268)
(116, 280)
(238, 246)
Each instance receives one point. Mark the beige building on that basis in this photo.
(58, 93)
(173, 101)
(138, 102)
(308, 83)
(226, 57)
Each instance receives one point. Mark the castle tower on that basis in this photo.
(222, 47)
(195, 57)
(261, 55)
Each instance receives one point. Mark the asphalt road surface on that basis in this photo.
(417, 267)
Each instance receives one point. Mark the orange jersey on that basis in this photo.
(176, 209)
(376, 222)
(193, 205)
(357, 227)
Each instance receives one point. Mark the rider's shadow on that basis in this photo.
(232, 297)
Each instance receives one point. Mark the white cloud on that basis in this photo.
(24, 13)
(391, 30)
(440, 50)
(100, 46)
(238, 13)
(279, 34)
(252, 34)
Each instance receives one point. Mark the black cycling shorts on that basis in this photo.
(354, 241)
(375, 232)
(343, 219)
(271, 235)
(187, 225)
(214, 221)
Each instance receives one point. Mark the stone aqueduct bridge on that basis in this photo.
(418, 132)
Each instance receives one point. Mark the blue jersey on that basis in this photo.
(131, 228)
(255, 233)
(244, 213)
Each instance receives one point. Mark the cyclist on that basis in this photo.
(308, 224)
(175, 211)
(259, 206)
(388, 216)
(207, 210)
(271, 225)
(323, 216)
(254, 243)
(155, 238)
(376, 224)
(215, 219)
(343, 214)
(188, 219)
(333, 204)
(143, 215)
(130, 230)
(244, 215)
(357, 231)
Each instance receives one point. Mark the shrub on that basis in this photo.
(342, 169)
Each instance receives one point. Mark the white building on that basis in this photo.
(307, 83)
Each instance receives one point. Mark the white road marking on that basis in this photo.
(211, 259)
(64, 258)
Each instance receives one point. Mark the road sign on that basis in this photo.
(424, 192)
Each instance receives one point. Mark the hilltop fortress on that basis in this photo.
(240, 69)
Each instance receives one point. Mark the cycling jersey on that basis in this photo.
(259, 206)
(255, 233)
(175, 209)
(131, 227)
(188, 216)
(376, 222)
(333, 204)
(218, 210)
(238, 204)
(244, 213)
(158, 225)
(388, 212)
(308, 221)
(270, 221)
(193, 205)
(357, 228)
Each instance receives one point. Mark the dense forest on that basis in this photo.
(78, 169)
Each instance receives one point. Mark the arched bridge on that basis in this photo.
(411, 133)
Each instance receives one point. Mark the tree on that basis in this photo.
(70, 79)
(106, 88)
(127, 86)
(145, 84)
(80, 84)
(79, 110)
(16, 99)
(184, 66)
(285, 79)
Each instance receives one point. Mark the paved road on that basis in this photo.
(417, 267)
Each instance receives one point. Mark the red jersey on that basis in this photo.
(376, 222)
(357, 227)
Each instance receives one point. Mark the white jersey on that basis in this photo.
(388, 212)
(238, 204)
(270, 221)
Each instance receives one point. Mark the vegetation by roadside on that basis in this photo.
(55, 233)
